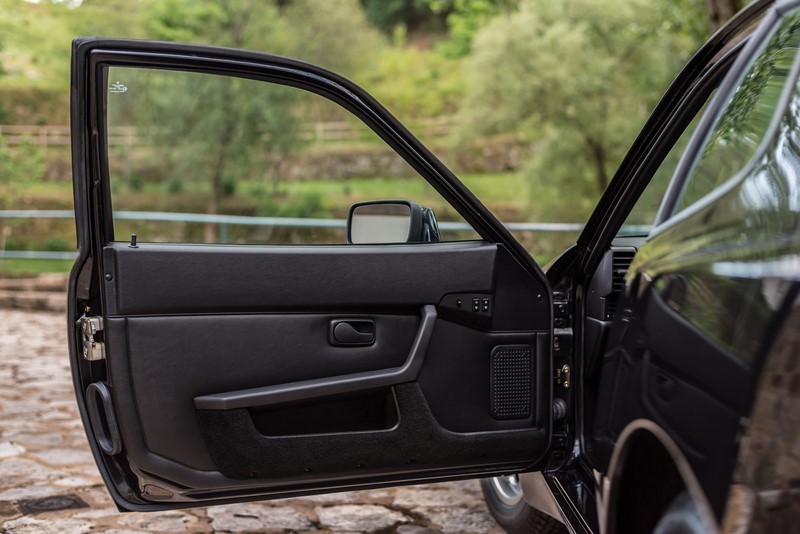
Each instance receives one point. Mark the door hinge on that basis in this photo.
(562, 376)
(93, 349)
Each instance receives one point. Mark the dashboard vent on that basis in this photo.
(620, 262)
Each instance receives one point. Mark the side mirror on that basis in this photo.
(391, 221)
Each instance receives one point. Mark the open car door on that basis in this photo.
(209, 373)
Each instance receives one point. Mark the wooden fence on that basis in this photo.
(315, 132)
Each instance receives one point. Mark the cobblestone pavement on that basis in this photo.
(43, 453)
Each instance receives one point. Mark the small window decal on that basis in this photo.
(117, 87)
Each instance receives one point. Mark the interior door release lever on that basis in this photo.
(351, 332)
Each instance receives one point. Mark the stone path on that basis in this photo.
(45, 292)
(44, 454)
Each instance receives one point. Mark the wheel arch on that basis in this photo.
(647, 458)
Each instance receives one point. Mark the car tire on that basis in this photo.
(681, 517)
(503, 496)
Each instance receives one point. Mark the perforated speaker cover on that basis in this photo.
(511, 379)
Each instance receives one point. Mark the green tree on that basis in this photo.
(227, 128)
(338, 37)
(577, 77)
(416, 84)
(107, 18)
(414, 15)
(210, 128)
(35, 44)
(465, 18)
(720, 11)
(19, 167)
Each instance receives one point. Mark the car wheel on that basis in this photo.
(504, 498)
(681, 517)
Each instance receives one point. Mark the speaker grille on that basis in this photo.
(511, 381)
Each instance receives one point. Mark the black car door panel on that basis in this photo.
(252, 389)
(176, 359)
(208, 278)
(682, 348)
(664, 369)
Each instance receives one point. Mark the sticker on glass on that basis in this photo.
(117, 87)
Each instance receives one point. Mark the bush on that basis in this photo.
(56, 244)
(174, 185)
(414, 83)
(577, 77)
(303, 206)
(136, 182)
(228, 186)
(22, 164)
(13, 244)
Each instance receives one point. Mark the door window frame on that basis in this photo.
(266, 68)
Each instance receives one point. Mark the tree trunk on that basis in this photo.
(216, 179)
(720, 12)
(599, 157)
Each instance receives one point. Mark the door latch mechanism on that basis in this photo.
(562, 376)
(93, 349)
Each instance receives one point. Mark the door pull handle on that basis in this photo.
(352, 332)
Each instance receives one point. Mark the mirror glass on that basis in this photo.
(386, 222)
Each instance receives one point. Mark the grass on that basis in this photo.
(504, 193)
(501, 191)
(32, 267)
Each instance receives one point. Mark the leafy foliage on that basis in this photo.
(34, 49)
(22, 165)
(411, 14)
(229, 125)
(578, 77)
(432, 85)
(19, 168)
(465, 18)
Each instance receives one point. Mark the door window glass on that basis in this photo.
(640, 219)
(203, 158)
(746, 117)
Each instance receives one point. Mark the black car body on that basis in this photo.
(639, 370)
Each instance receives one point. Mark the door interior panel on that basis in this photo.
(331, 384)
(226, 377)
(177, 358)
(241, 451)
(659, 370)
(459, 390)
(178, 279)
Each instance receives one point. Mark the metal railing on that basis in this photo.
(224, 221)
